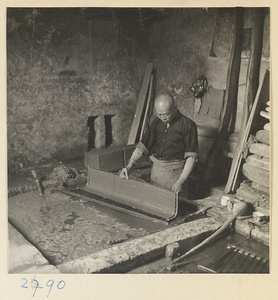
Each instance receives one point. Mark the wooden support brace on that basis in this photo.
(263, 92)
(135, 127)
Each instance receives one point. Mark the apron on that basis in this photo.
(166, 173)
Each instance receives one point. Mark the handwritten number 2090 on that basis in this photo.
(61, 284)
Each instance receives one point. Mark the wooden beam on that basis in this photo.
(135, 127)
(230, 101)
(147, 107)
(253, 72)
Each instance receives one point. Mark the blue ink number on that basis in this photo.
(37, 287)
(23, 285)
(60, 288)
(61, 284)
(50, 286)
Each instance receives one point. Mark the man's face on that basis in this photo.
(166, 114)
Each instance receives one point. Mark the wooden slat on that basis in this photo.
(147, 107)
(135, 127)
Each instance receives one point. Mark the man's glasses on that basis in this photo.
(163, 115)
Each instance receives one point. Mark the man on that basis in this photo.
(172, 143)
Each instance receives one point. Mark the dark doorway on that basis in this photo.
(108, 130)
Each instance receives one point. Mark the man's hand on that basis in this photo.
(125, 173)
(177, 187)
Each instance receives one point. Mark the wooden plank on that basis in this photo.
(230, 101)
(256, 174)
(253, 73)
(263, 136)
(260, 149)
(259, 161)
(135, 127)
(261, 94)
(138, 195)
(147, 107)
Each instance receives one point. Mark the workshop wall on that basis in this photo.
(70, 72)
(181, 48)
(74, 75)
(186, 44)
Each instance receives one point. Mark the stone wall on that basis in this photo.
(181, 45)
(65, 66)
(74, 74)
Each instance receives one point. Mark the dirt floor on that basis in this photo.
(65, 228)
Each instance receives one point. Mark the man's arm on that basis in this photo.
(188, 167)
(136, 155)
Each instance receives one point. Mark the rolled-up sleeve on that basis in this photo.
(191, 148)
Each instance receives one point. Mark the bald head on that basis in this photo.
(165, 107)
(164, 102)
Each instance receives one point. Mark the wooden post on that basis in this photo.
(253, 72)
(230, 101)
(147, 108)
